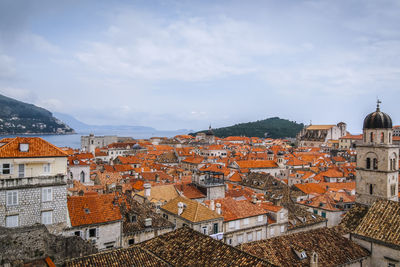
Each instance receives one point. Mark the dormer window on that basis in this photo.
(132, 218)
(24, 147)
(87, 211)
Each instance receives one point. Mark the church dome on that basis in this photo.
(377, 120)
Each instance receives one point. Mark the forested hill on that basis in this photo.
(274, 127)
(17, 117)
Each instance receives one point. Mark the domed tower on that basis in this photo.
(377, 160)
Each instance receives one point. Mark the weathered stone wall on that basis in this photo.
(30, 205)
(35, 242)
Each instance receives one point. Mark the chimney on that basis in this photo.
(212, 204)
(218, 205)
(147, 190)
(180, 208)
(147, 222)
(254, 199)
(157, 177)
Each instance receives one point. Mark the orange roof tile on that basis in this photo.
(85, 210)
(9, 148)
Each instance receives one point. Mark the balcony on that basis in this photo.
(26, 182)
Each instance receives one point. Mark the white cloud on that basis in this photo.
(7, 67)
(40, 43)
(189, 49)
(19, 94)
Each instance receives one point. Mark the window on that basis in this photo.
(258, 235)
(316, 212)
(46, 168)
(12, 221)
(249, 237)
(282, 228)
(246, 221)
(237, 226)
(47, 194)
(372, 137)
(260, 218)
(47, 217)
(24, 147)
(393, 190)
(21, 170)
(375, 164)
(240, 239)
(82, 176)
(12, 198)
(132, 218)
(77, 233)
(323, 214)
(371, 189)
(391, 264)
(204, 230)
(93, 232)
(368, 163)
(231, 224)
(382, 137)
(6, 168)
(215, 228)
(131, 241)
(165, 216)
(230, 241)
(271, 232)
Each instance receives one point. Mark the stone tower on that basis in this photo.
(377, 160)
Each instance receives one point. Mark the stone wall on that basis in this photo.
(24, 244)
(30, 205)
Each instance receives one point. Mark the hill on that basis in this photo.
(17, 117)
(273, 127)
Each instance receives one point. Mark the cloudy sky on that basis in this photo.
(186, 64)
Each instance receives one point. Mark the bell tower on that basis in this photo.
(377, 160)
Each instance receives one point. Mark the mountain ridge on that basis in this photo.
(17, 117)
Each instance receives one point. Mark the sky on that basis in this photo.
(188, 64)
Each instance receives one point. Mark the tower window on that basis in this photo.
(368, 163)
(372, 137)
(375, 164)
(391, 164)
(371, 189)
(382, 137)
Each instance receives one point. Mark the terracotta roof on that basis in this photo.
(237, 209)
(352, 218)
(190, 191)
(382, 223)
(320, 127)
(332, 248)
(126, 257)
(187, 247)
(161, 193)
(37, 148)
(193, 212)
(256, 164)
(92, 209)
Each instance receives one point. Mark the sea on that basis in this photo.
(74, 140)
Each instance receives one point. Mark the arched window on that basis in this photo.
(382, 137)
(391, 164)
(368, 163)
(372, 137)
(371, 189)
(375, 164)
(82, 176)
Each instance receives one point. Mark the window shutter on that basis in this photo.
(9, 198)
(11, 168)
(15, 198)
(1, 168)
(43, 195)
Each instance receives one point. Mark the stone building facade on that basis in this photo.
(32, 183)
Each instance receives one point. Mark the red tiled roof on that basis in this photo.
(37, 148)
(89, 209)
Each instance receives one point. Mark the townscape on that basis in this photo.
(328, 198)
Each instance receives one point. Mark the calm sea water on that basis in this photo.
(74, 140)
